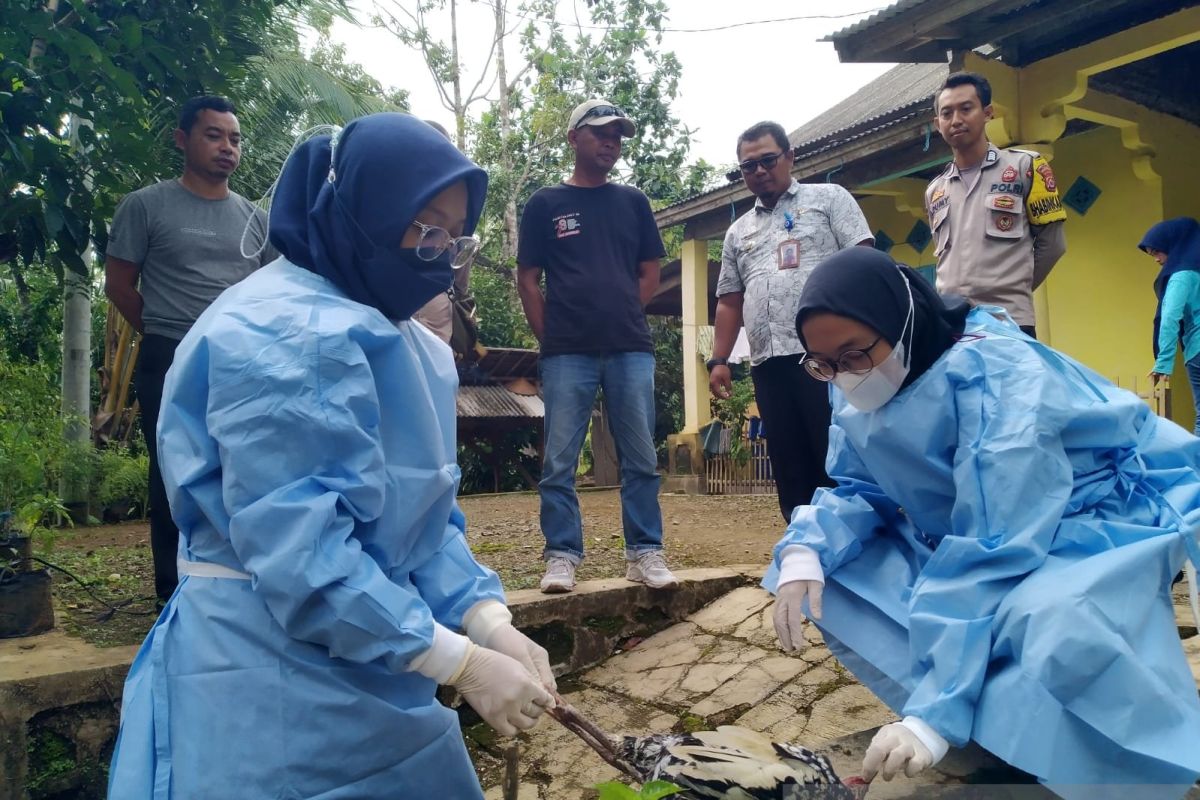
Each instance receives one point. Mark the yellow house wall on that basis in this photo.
(1099, 297)
(1101, 304)
(1178, 161)
(881, 213)
(1177, 144)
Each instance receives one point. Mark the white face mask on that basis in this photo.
(871, 391)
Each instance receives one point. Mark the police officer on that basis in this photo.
(996, 215)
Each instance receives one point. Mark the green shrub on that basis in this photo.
(35, 458)
(732, 412)
(122, 476)
(32, 448)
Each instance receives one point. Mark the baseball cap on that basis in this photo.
(600, 112)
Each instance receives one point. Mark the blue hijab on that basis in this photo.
(346, 222)
(1179, 238)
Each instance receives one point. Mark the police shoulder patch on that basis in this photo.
(1043, 203)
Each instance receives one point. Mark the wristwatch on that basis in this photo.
(716, 362)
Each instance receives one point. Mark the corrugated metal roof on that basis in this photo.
(858, 132)
(874, 19)
(496, 401)
(901, 86)
(896, 96)
(503, 363)
(1020, 32)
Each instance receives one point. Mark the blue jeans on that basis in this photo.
(1193, 373)
(569, 384)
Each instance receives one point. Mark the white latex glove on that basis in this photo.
(909, 746)
(501, 689)
(789, 614)
(511, 642)
(489, 624)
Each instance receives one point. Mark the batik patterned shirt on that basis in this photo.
(821, 218)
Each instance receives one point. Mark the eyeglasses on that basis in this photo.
(600, 111)
(751, 165)
(855, 362)
(434, 241)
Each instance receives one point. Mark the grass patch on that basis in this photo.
(120, 576)
(690, 723)
(608, 625)
(491, 547)
(51, 757)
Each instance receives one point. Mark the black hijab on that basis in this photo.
(866, 285)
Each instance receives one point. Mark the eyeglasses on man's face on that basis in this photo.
(767, 162)
(854, 362)
(434, 241)
(599, 111)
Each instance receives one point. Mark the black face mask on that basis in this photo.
(394, 279)
(402, 283)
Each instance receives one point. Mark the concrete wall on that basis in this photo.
(60, 697)
(59, 705)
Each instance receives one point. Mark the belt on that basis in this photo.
(207, 569)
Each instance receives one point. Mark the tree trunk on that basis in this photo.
(77, 368)
(19, 283)
(76, 381)
(606, 466)
(508, 237)
(460, 113)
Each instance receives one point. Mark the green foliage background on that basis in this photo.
(90, 119)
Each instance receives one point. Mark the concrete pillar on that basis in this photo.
(694, 300)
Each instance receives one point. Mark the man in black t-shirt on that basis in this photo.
(599, 247)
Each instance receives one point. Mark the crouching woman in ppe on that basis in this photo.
(307, 441)
(995, 560)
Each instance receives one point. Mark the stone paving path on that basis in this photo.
(722, 666)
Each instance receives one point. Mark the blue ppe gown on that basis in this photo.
(308, 442)
(998, 554)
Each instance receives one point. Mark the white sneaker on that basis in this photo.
(559, 577)
(650, 568)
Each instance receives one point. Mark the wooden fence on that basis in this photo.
(726, 475)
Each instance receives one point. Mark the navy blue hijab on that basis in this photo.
(346, 223)
(1179, 238)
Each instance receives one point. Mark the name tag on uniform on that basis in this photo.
(789, 254)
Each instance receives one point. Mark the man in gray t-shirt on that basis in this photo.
(173, 247)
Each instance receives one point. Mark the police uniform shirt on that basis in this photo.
(997, 237)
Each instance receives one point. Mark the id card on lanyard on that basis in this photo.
(788, 254)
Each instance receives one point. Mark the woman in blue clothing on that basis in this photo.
(1175, 245)
(995, 560)
(307, 442)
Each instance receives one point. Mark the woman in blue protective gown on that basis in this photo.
(307, 441)
(995, 560)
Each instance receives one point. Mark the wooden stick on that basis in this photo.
(512, 772)
(606, 746)
(598, 740)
